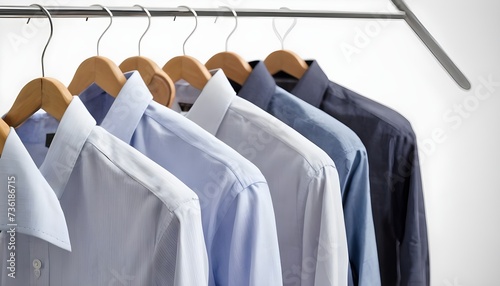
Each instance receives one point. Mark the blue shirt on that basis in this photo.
(237, 211)
(349, 155)
(395, 180)
(129, 220)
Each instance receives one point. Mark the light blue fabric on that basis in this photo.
(129, 220)
(348, 153)
(237, 212)
(27, 202)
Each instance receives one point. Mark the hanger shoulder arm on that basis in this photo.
(109, 76)
(28, 101)
(146, 67)
(84, 76)
(159, 83)
(233, 65)
(55, 97)
(287, 61)
(99, 70)
(189, 69)
(46, 93)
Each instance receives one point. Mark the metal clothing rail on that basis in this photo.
(404, 13)
(84, 12)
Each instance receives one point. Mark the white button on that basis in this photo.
(37, 264)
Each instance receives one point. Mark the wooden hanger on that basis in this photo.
(45, 92)
(189, 69)
(186, 67)
(285, 60)
(4, 133)
(233, 65)
(99, 70)
(159, 83)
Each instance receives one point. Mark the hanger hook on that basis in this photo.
(235, 23)
(149, 25)
(46, 12)
(107, 28)
(192, 32)
(277, 33)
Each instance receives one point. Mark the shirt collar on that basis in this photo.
(259, 87)
(312, 86)
(209, 109)
(72, 133)
(37, 210)
(128, 107)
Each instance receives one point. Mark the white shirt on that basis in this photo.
(130, 222)
(302, 178)
(236, 206)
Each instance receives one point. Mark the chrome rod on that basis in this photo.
(433, 45)
(89, 12)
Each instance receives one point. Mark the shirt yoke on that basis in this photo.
(245, 173)
(315, 158)
(166, 187)
(387, 116)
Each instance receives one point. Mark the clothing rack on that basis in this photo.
(404, 13)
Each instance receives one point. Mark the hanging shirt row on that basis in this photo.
(274, 180)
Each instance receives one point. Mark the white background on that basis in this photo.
(389, 64)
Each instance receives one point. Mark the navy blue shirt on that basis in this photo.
(346, 150)
(395, 180)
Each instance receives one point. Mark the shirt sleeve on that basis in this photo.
(325, 258)
(246, 243)
(359, 222)
(410, 215)
(180, 257)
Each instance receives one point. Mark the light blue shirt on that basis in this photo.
(129, 220)
(237, 211)
(349, 155)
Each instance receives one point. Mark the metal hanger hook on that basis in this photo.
(147, 28)
(107, 28)
(235, 23)
(46, 12)
(277, 33)
(192, 32)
